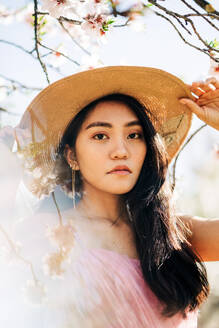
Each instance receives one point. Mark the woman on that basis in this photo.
(108, 135)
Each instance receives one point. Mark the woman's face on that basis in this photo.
(110, 136)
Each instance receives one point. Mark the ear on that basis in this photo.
(71, 157)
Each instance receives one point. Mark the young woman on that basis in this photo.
(125, 258)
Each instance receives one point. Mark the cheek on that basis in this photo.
(139, 153)
(90, 159)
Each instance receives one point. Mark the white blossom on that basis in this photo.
(94, 25)
(213, 68)
(138, 24)
(93, 7)
(56, 59)
(5, 16)
(52, 264)
(57, 8)
(62, 235)
(10, 253)
(47, 24)
(37, 172)
(35, 292)
(3, 89)
(90, 62)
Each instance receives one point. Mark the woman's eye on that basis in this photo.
(99, 136)
(102, 136)
(132, 135)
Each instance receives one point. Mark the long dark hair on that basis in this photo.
(171, 268)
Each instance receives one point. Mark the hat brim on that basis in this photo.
(53, 108)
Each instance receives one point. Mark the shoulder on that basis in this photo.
(204, 235)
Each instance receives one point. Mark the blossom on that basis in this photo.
(213, 68)
(93, 7)
(5, 16)
(52, 264)
(96, 25)
(26, 14)
(62, 235)
(37, 172)
(56, 59)
(3, 89)
(34, 292)
(90, 62)
(10, 253)
(46, 24)
(58, 8)
(216, 151)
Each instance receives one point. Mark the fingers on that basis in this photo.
(213, 81)
(199, 111)
(210, 95)
(204, 90)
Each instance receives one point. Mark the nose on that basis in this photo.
(119, 150)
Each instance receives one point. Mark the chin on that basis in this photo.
(120, 191)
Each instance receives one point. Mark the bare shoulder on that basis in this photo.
(204, 236)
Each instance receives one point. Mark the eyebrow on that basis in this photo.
(108, 125)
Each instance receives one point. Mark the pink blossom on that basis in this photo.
(56, 59)
(5, 16)
(94, 25)
(58, 8)
(214, 68)
(93, 7)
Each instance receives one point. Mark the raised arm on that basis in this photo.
(205, 232)
(205, 236)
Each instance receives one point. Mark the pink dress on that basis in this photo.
(94, 287)
(118, 296)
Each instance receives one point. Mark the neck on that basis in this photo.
(97, 204)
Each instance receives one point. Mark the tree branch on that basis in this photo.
(8, 112)
(197, 12)
(174, 14)
(21, 85)
(176, 158)
(71, 37)
(206, 6)
(29, 52)
(55, 51)
(36, 42)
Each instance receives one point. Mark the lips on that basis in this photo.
(120, 168)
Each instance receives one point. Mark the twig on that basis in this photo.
(197, 12)
(206, 15)
(55, 51)
(8, 112)
(181, 36)
(16, 46)
(75, 42)
(173, 14)
(36, 42)
(206, 6)
(29, 53)
(122, 25)
(57, 207)
(176, 158)
(23, 86)
(72, 21)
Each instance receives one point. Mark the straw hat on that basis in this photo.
(53, 108)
